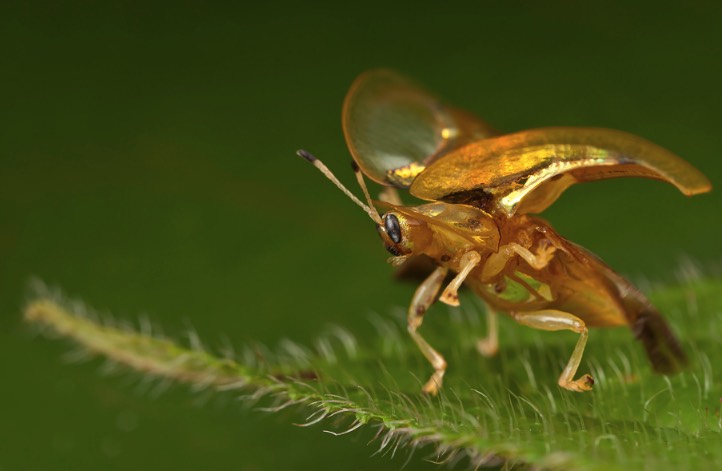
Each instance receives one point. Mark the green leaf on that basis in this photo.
(504, 410)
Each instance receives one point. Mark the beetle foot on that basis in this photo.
(544, 253)
(488, 347)
(433, 385)
(450, 297)
(582, 384)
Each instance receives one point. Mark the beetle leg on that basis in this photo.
(552, 320)
(497, 261)
(468, 261)
(489, 345)
(390, 195)
(422, 300)
(544, 253)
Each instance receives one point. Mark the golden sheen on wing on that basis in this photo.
(478, 225)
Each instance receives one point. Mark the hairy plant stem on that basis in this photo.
(493, 412)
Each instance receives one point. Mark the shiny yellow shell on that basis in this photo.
(403, 136)
(525, 172)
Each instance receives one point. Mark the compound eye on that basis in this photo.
(393, 229)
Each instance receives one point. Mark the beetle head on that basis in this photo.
(403, 234)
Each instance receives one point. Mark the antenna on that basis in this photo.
(369, 208)
(360, 179)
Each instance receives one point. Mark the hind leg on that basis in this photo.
(552, 320)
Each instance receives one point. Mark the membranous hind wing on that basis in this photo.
(394, 128)
(526, 172)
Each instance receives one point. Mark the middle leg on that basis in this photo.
(489, 345)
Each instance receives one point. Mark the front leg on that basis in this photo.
(467, 263)
(420, 303)
(497, 261)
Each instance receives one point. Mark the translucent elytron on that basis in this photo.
(394, 127)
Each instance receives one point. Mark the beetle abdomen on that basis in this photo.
(662, 346)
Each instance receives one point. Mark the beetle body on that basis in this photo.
(444, 232)
(478, 225)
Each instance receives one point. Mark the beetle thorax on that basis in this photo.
(441, 231)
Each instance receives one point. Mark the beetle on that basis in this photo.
(482, 191)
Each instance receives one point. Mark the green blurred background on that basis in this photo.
(147, 166)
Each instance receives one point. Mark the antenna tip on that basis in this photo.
(354, 166)
(306, 155)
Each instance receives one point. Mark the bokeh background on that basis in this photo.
(147, 166)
